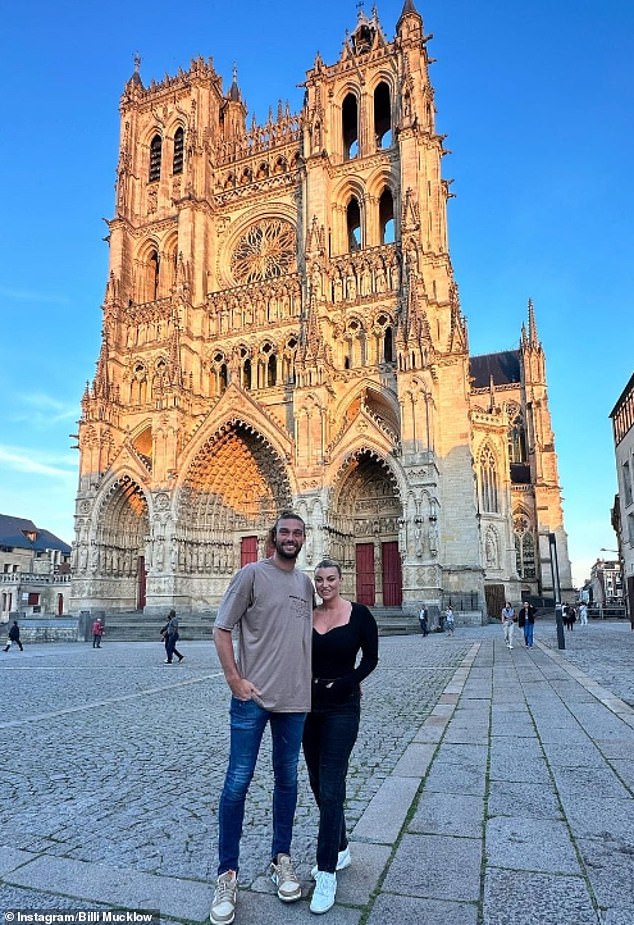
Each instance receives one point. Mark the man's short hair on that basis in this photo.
(287, 515)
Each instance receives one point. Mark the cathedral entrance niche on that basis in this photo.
(364, 529)
(232, 495)
(248, 550)
(366, 591)
(118, 554)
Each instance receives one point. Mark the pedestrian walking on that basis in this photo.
(270, 602)
(583, 614)
(423, 620)
(97, 633)
(526, 622)
(342, 630)
(14, 636)
(571, 617)
(171, 635)
(508, 624)
(450, 621)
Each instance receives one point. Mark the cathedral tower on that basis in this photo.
(282, 328)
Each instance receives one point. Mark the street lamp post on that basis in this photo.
(554, 569)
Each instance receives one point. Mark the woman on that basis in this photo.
(341, 630)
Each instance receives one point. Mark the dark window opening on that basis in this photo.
(386, 218)
(154, 276)
(155, 158)
(179, 150)
(382, 116)
(272, 371)
(387, 346)
(350, 127)
(246, 374)
(353, 220)
(223, 377)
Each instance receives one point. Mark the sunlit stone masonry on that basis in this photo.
(282, 329)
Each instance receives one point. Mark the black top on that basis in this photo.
(335, 655)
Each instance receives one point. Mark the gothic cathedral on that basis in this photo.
(282, 330)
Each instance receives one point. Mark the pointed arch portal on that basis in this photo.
(363, 528)
(233, 492)
(118, 554)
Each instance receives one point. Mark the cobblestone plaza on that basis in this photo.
(474, 765)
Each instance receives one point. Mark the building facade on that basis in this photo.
(623, 515)
(34, 570)
(282, 329)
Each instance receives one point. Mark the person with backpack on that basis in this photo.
(171, 636)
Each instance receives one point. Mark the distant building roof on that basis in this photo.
(23, 534)
(504, 367)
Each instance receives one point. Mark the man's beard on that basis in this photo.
(283, 554)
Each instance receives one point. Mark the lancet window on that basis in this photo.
(488, 482)
(350, 127)
(156, 147)
(179, 151)
(382, 116)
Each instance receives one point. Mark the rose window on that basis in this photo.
(264, 251)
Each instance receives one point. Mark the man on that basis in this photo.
(527, 623)
(423, 619)
(583, 614)
(508, 624)
(270, 603)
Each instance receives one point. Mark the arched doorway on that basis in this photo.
(232, 494)
(117, 557)
(363, 528)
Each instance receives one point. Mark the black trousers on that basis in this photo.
(329, 736)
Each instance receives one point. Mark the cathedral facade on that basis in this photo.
(282, 330)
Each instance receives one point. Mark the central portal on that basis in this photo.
(364, 534)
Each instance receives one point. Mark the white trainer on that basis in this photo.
(323, 897)
(344, 859)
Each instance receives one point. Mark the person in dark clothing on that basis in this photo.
(526, 622)
(170, 635)
(423, 619)
(14, 636)
(341, 630)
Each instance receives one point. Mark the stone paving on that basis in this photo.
(487, 787)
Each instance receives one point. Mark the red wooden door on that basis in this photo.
(141, 582)
(248, 550)
(365, 573)
(392, 576)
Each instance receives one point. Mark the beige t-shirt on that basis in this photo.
(272, 609)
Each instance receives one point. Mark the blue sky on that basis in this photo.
(537, 101)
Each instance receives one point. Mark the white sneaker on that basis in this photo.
(285, 879)
(323, 897)
(344, 859)
(223, 909)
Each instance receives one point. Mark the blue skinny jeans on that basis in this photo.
(248, 721)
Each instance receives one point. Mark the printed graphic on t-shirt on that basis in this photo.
(299, 607)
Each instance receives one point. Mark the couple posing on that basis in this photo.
(296, 671)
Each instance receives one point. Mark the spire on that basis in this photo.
(234, 90)
(533, 339)
(135, 79)
(408, 10)
(101, 386)
(492, 399)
